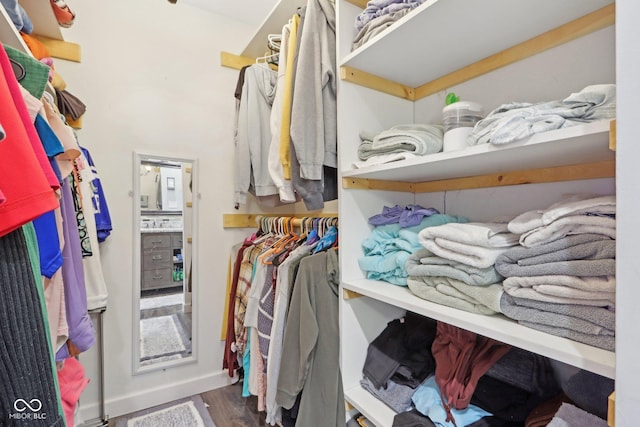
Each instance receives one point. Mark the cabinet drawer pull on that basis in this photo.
(156, 257)
(156, 241)
(157, 277)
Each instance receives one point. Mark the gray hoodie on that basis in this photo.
(314, 116)
(254, 133)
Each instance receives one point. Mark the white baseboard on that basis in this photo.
(143, 399)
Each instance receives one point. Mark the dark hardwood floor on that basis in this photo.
(228, 408)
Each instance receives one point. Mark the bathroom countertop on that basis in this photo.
(161, 230)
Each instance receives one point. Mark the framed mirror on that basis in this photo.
(165, 285)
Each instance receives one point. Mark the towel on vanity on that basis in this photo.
(425, 263)
(579, 255)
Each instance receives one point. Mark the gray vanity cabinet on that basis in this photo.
(158, 250)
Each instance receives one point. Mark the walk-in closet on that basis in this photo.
(319, 213)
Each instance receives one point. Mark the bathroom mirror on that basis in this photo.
(165, 284)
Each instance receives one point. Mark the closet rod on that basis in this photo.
(251, 220)
(237, 61)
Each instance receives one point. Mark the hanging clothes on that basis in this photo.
(25, 188)
(311, 343)
(314, 112)
(26, 365)
(254, 134)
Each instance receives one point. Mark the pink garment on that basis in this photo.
(72, 382)
(56, 310)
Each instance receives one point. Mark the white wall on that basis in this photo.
(628, 233)
(151, 80)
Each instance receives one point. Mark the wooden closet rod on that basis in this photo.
(250, 220)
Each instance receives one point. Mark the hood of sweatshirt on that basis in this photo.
(266, 80)
(329, 9)
(333, 272)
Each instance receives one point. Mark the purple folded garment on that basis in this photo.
(408, 216)
(413, 214)
(388, 216)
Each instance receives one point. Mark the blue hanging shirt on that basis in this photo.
(103, 219)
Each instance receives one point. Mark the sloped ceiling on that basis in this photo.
(251, 12)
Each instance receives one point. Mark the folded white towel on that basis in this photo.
(485, 234)
(477, 244)
(380, 159)
(427, 139)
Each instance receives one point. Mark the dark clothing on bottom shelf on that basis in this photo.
(402, 352)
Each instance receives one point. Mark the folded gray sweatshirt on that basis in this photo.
(425, 263)
(579, 255)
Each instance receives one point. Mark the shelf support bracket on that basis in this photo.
(347, 294)
(603, 169)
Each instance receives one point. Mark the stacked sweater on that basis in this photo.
(455, 265)
(389, 246)
(561, 278)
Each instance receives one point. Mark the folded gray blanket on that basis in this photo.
(590, 325)
(579, 255)
(424, 263)
(588, 290)
(457, 294)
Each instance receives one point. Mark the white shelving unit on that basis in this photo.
(437, 39)
(583, 143)
(446, 35)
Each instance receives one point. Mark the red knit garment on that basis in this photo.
(462, 357)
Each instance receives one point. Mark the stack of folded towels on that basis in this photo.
(561, 278)
(395, 238)
(399, 142)
(455, 266)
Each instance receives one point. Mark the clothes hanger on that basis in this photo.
(267, 60)
(288, 235)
